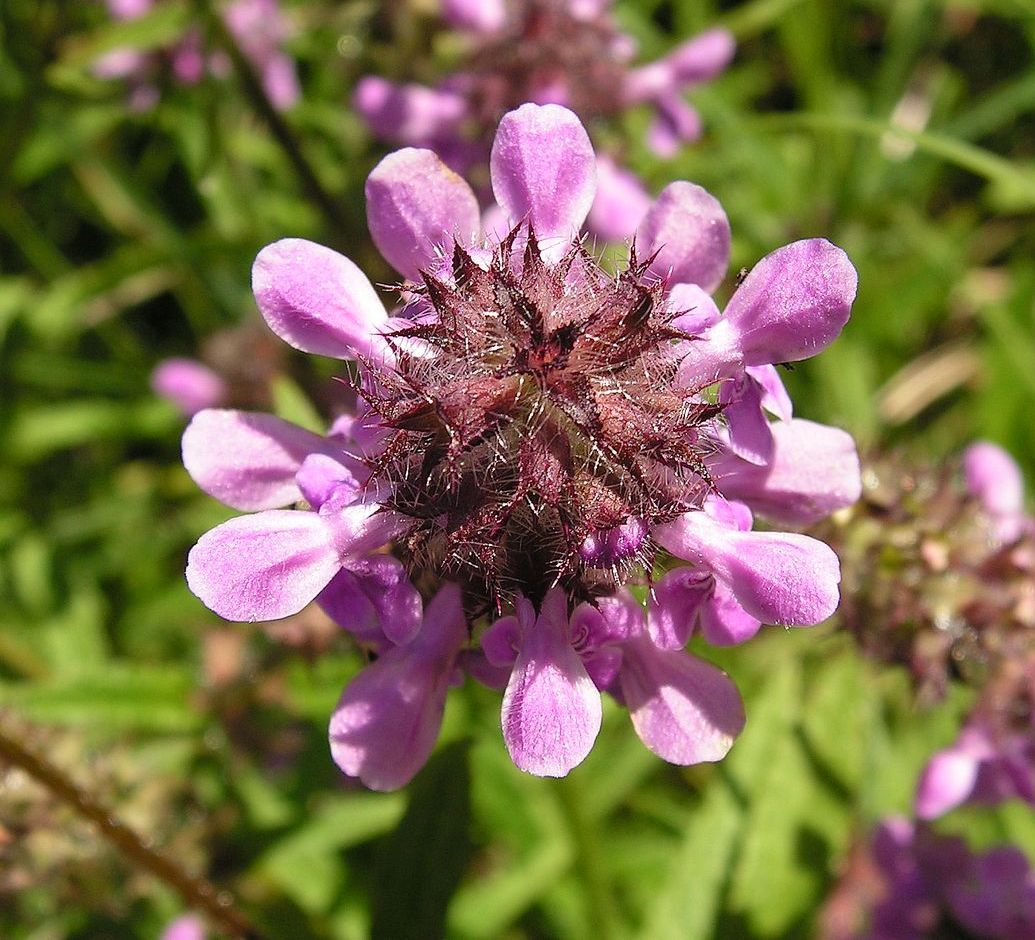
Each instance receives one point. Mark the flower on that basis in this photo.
(910, 883)
(993, 757)
(534, 436)
(567, 52)
(190, 385)
(938, 564)
(257, 27)
(185, 927)
(994, 480)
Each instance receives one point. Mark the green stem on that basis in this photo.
(285, 137)
(602, 912)
(197, 893)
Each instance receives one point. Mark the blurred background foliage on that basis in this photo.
(903, 130)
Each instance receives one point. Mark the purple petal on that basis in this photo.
(551, 709)
(794, 302)
(544, 172)
(265, 566)
(479, 16)
(689, 230)
(317, 300)
(190, 385)
(750, 437)
(723, 621)
(994, 479)
(248, 460)
(321, 478)
(351, 608)
(814, 471)
(775, 399)
(501, 641)
(695, 308)
(280, 82)
(675, 123)
(621, 202)
(389, 716)
(777, 577)
(674, 605)
(606, 622)
(129, 9)
(374, 600)
(417, 208)
(729, 513)
(703, 57)
(946, 782)
(685, 710)
(412, 115)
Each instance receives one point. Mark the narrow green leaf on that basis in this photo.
(423, 860)
(688, 900)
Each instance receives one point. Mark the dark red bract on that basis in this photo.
(537, 431)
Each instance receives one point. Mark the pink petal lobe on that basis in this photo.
(317, 300)
(190, 385)
(410, 114)
(265, 566)
(389, 716)
(685, 710)
(948, 779)
(478, 16)
(248, 460)
(777, 577)
(814, 471)
(621, 202)
(674, 605)
(794, 302)
(688, 229)
(994, 478)
(551, 708)
(417, 208)
(544, 171)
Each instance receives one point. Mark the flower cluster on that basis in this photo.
(256, 26)
(567, 52)
(911, 883)
(939, 567)
(535, 441)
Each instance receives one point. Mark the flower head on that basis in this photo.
(256, 26)
(566, 52)
(534, 435)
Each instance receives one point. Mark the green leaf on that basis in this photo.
(688, 901)
(117, 697)
(306, 864)
(422, 862)
(291, 404)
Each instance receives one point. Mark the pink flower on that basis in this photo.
(186, 927)
(534, 435)
(994, 480)
(190, 385)
(567, 52)
(257, 27)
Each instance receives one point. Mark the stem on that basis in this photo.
(198, 893)
(328, 205)
(602, 913)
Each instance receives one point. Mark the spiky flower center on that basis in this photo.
(538, 434)
(546, 47)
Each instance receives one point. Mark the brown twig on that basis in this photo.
(197, 893)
